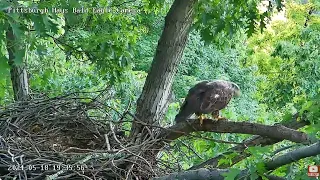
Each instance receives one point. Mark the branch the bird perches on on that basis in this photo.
(224, 126)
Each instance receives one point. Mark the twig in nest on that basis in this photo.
(112, 161)
(79, 121)
(114, 136)
(102, 92)
(66, 176)
(125, 112)
(128, 173)
(82, 175)
(150, 133)
(107, 141)
(82, 161)
(55, 175)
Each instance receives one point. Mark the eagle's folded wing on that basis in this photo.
(215, 99)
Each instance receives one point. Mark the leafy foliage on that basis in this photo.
(287, 54)
(227, 17)
(277, 69)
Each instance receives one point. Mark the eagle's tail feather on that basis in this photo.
(184, 114)
(181, 117)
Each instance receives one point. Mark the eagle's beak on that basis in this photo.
(237, 93)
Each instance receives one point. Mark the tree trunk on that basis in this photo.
(153, 102)
(18, 73)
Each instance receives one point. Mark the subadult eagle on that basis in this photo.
(207, 97)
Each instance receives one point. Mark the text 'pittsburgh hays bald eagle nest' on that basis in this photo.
(207, 97)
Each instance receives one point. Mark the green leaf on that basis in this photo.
(41, 50)
(258, 150)
(4, 5)
(223, 161)
(287, 116)
(200, 145)
(207, 35)
(306, 106)
(38, 24)
(261, 167)
(19, 55)
(16, 29)
(50, 25)
(4, 66)
(3, 29)
(254, 176)
(279, 5)
(232, 174)
(250, 27)
(220, 26)
(262, 21)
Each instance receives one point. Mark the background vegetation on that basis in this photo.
(278, 70)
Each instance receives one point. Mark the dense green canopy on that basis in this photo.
(273, 56)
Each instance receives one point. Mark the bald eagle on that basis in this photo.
(207, 97)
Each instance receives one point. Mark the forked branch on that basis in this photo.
(202, 173)
(295, 123)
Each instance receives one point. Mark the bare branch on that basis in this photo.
(278, 132)
(295, 155)
(201, 173)
(217, 174)
(205, 174)
(296, 123)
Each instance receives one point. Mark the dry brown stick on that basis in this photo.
(115, 137)
(107, 142)
(42, 159)
(129, 171)
(149, 132)
(112, 162)
(125, 112)
(66, 176)
(82, 175)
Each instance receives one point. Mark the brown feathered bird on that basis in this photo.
(207, 97)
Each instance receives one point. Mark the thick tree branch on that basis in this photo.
(216, 174)
(205, 174)
(296, 123)
(295, 155)
(196, 174)
(278, 132)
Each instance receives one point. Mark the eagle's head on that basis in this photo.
(236, 90)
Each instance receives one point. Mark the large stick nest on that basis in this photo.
(68, 138)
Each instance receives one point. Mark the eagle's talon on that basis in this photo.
(215, 116)
(201, 117)
(221, 118)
